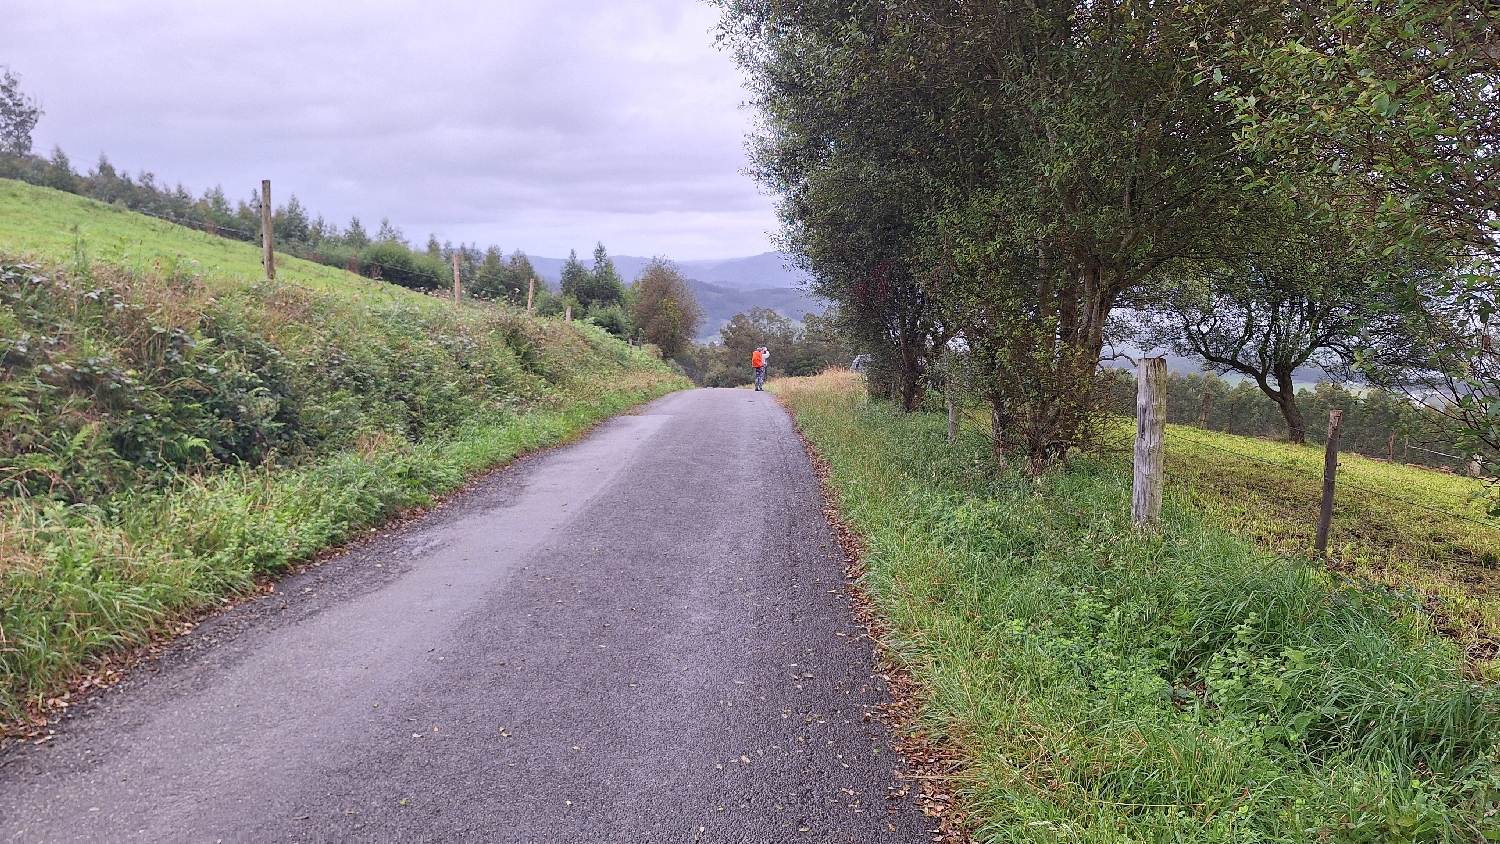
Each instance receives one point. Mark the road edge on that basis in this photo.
(935, 768)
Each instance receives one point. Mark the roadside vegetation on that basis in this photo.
(175, 427)
(1098, 683)
(797, 348)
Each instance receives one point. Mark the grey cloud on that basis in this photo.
(543, 125)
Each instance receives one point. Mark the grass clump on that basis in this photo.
(1418, 531)
(1105, 685)
(169, 433)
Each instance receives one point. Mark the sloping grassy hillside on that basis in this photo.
(1105, 685)
(173, 426)
(1424, 533)
(66, 228)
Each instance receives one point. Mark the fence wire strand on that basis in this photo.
(1348, 484)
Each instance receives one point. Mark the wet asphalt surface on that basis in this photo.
(641, 637)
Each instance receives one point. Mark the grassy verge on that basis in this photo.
(1106, 686)
(1407, 528)
(80, 582)
(173, 427)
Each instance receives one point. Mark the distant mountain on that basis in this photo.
(723, 287)
(721, 303)
(757, 272)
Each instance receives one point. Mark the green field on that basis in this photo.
(1094, 683)
(174, 429)
(1418, 531)
(64, 227)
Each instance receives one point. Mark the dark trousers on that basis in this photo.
(760, 377)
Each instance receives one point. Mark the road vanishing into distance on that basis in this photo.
(641, 637)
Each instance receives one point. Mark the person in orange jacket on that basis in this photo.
(758, 361)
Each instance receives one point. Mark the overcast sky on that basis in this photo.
(542, 125)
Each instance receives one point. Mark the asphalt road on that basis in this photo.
(641, 637)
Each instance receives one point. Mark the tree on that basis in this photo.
(59, 174)
(389, 233)
(577, 281)
(18, 115)
(1386, 114)
(1265, 318)
(355, 235)
(1045, 160)
(758, 327)
(664, 308)
(608, 288)
(290, 223)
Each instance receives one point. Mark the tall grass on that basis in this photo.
(1106, 685)
(82, 581)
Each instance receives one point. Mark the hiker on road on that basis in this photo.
(759, 359)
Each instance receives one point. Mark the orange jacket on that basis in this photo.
(756, 361)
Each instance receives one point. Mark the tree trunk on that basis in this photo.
(1296, 425)
(999, 435)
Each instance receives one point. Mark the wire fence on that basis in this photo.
(1344, 483)
(217, 230)
(969, 420)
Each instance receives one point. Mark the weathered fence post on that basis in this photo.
(1330, 473)
(568, 313)
(265, 228)
(530, 292)
(456, 287)
(1150, 440)
(952, 416)
(1390, 449)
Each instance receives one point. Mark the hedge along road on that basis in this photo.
(640, 637)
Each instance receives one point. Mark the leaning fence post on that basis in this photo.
(1150, 440)
(1330, 473)
(265, 228)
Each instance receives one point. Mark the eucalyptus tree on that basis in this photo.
(19, 114)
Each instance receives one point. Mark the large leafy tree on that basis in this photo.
(1044, 160)
(1386, 114)
(664, 308)
(1273, 312)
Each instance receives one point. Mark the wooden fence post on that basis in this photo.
(265, 228)
(952, 416)
(568, 314)
(1150, 440)
(530, 292)
(456, 288)
(1330, 473)
(1390, 449)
